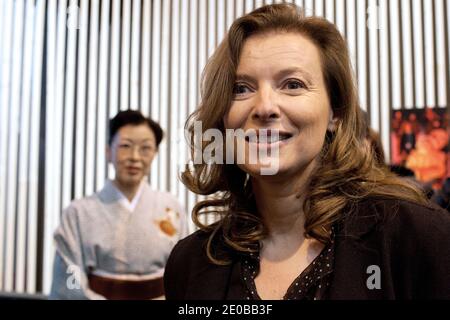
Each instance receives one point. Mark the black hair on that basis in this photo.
(135, 118)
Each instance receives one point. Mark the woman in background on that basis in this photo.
(115, 243)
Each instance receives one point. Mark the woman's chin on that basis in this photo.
(131, 181)
(261, 170)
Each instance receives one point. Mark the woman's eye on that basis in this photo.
(240, 89)
(124, 146)
(294, 85)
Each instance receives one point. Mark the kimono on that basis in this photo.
(105, 234)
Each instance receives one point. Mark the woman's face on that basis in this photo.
(131, 152)
(279, 86)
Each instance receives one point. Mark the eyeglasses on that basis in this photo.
(127, 148)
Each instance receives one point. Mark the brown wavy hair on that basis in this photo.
(348, 171)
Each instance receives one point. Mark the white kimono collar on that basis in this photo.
(123, 200)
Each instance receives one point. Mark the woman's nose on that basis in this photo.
(135, 153)
(265, 108)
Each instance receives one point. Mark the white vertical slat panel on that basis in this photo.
(174, 97)
(6, 13)
(230, 13)
(34, 145)
(448, 40)
(329, 10)
(3, 112)
(146, 57)
(114, 69)
(362, 64)
(429, 53)
(191, 93)
(258, 4)
(418, 53)
(395, 55)
(220, 20)
(51, 132)
(92, 96)
(319, 8)
(248, 5)
(60, 94)
(351, 32)
(6, 54)
(23, 182)
(384, 89)
(2, 18)
(164, 107)
(2, 45)
(115, 62)
(125, 56)
(211, 18)
(340, 16)
(441, 99)
(300, 3)
(192, 83)
(373, 68)
(203, 42)
(135, 55)
(92, 86)
(183, 94)
(156, 82)
(407, 58)
(238, 8)
(14, 105)
(60, 84)
(55, 149)
(80, 129)
(102, 114)
(309, 7)
(69, 106)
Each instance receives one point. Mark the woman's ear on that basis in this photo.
(332, 122)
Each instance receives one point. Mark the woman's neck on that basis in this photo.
(129, 191)
(280, 203)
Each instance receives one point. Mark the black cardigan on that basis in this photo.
(408, 242)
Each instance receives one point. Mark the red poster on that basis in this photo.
(420, 142)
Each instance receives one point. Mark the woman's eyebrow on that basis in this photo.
(285, 72)
(244, 77)
(279, 75)
(134, 141)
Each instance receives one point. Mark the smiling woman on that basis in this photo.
(331, 213)
(278, 94)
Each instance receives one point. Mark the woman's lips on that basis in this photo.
(133, 170)
(269, 145)
(269, 140)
